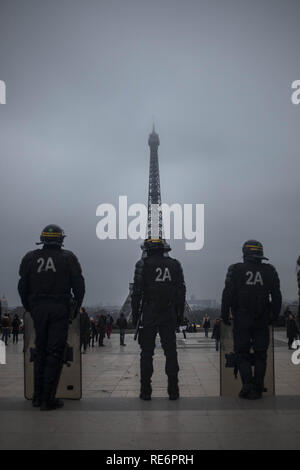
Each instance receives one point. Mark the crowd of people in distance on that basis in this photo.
(94, 330)
(10, 327)
(188, 327)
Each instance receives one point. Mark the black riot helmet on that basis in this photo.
(52, 235)
(252, 249)
(155, 245)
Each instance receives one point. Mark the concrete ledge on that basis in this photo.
(161, 404)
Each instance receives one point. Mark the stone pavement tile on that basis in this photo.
(196, 390)
(198, 393)
(182, 421)
(111, 367)
(160, 424)
(125, 386)
(248, 422)
(162, 392)
(96, 394)
(131, 393)
(120, 393)
(186, 393)
(258, 441)
(97, 421)
(179, 441)
(70, 441)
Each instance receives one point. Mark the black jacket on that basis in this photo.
(216, 331)
(159, 286)
(122, 323)
(251, 293)
(85, 324)
(16, 325)
(102, 323)
(50, 273)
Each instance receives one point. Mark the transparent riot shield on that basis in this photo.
(70, 385)
(230, 381)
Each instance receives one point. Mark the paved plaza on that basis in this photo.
(111, 416)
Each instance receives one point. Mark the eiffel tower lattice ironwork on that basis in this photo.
(154, 222)
(154, 219)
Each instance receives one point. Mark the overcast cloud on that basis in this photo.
(84, 81)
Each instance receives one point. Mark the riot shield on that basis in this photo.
(70, 385)
(230, 385)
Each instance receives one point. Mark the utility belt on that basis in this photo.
(62, 299)
(160, 301)
(163, 307)
(37, 299)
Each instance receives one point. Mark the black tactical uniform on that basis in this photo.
(160, 291)
(252, 295)
(48, 276)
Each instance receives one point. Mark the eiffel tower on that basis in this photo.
(154, 220)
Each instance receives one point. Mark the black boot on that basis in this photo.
(146, 391)
(53, 404)
(37, 400)
(258, 389)
(49, 402)
(173, 389)
(248, 392)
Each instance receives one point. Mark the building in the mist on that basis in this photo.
(4, 304)
(202, 304)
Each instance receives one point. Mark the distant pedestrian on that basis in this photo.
(292, 331)
(184, 326)
(102, 328)
(84, 329)
(206, 325)
(109, 324)
(16, 328)
(216, 333)
(94, 333)
(97, 329)
(5, 328)
(122, 324)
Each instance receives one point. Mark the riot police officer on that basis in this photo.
(47, 277)
(158, 298)
(252, 295)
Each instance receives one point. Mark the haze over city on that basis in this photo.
(83, 86)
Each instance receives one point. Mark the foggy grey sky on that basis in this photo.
(84, 79)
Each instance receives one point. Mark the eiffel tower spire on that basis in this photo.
(154, 223)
